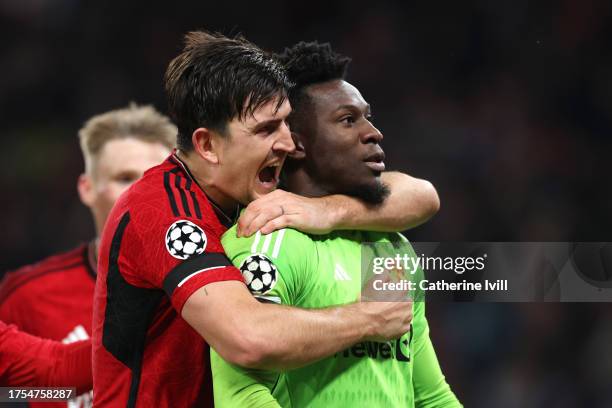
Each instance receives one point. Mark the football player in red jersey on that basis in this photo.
(26, 360)
(164, 284)
(53, 299)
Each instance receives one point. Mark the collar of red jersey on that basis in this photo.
(223, 217)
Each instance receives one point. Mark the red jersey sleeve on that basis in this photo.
(26, 360)
(178, 254)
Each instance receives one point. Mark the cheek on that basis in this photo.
(112, 191)
(243, 162)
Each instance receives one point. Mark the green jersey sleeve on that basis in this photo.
(289, 254)
(430, 387)
(235, 386)
(275, 268)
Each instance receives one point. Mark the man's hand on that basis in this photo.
(392, 319)
(281, 209)
(393, 308)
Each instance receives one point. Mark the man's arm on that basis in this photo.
(251, 334)
(27, 360)
(430, 387)
(411, 202)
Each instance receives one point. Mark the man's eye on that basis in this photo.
(126, 178)
(268, 130)
(348, 120)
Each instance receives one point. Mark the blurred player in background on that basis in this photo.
(53, 299)
(30, 361)
(162, 270)
(337, 151)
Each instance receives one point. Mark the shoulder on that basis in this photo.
(276, 244)
(27, 278)
(164, 196)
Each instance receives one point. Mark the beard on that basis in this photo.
(372, 193)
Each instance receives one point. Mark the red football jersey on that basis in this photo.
(53, 299)
(160, 244)
(26, 360)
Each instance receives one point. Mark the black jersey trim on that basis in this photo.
(194, 200)
(128, 314)
(196, 204)
(185, 193)
(168, 189)
(205, 261)
(223, 218)
(177, 184)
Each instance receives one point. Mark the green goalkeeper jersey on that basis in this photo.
(318, 271)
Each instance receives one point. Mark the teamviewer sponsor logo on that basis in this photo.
(398, 349)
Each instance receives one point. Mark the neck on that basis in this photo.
(298, 181)
(204, 179)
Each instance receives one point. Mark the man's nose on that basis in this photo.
(371, 135)
(285, 141)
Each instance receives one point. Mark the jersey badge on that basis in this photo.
(184, 240)
(259, 273)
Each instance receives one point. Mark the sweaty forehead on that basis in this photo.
(269, 111)
(329, 96)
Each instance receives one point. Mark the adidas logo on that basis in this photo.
(340, 274)
(78, 333)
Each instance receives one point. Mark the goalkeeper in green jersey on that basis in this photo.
(337, 151)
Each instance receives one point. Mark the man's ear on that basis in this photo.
(202, 139)
(300, 151)
(86, 191)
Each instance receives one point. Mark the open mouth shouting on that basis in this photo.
(268, 176)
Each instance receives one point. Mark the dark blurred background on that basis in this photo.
(506, 106)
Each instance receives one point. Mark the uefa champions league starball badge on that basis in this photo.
(184, 240)
(259, 273)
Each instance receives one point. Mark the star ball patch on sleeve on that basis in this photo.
(184, 240)
(259, 273)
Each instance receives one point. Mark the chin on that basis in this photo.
(373, 192)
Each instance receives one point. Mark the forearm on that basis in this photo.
(293, 337)
(41, 362)
(250, 334)
(73, 368)
(411, 202)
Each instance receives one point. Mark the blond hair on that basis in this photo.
(139, 122)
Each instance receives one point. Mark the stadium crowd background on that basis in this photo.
(505, 106)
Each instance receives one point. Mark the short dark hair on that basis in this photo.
(309, 63)
(216, 79)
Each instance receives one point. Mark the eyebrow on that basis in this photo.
(264, 124)
(368, 108)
